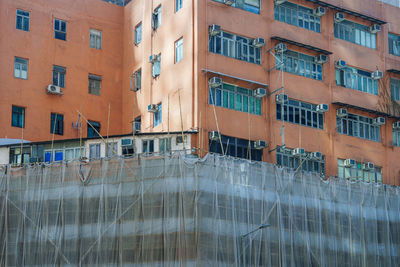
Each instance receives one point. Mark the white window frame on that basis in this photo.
(95, 39)
(179, 50)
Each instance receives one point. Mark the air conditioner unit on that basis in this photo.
(213, 135)
(321, 59)
(379, 121)
(260, 92)
(298, 152)
(369, 166)
(282, 98)
(339, 17)
(53, 89)
(340, 64)
(152, 108)
(316, 155)
(396, 125)
(321, 108)
(258, 42)
(349, 163)
(153, 58)
(260, 144)
(319, 11)
(280, 48)
(279, 2)
(341, 113)
(375, 28)
(126, 142)
(214, 29)
(214, 82)
(376, 75)
(229, 2)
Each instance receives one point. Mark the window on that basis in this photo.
(58, 155)
(395, 89)
(112, 149)
(94, 151)
(156, 20)
(57, 124)
(178, 50)
(358, 126)
(296, 15)
(127, 147)
(394, 44)
(148, 146)
(18, 117)
(248, 5)
(136, 80)
(22, 20)
(359, 173)
(95, 39)
(285, 158)
(301, 64)
(356, 79)
(396, 137)
(235, 46)
(156, 67)
(94, 84)
(20, 68)
(60, 29)
(165, 145)
(59, 76)
(355, 33)
(236, 98)
(92, 132)
(236, 147)
(138, 34)
(18, 158)
(158, 115)
(74, 153)
(138, 123)
(301, 113)
(178, 5)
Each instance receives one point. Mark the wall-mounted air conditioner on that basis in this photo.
(379, 121)
(213, 135)
(369, 166)
(349, 163)
(214, 29)
(280, 48)
(340, 64)
(319, 11)
(260, 92)
(260, 144)
(53, 89)
(376, 75)
(152, 108)
(341, 112)
(282, 98)
(375, 28)
(229, 2)
(321, 59)
(258, 42)
(321, 108)
(316, 155)
(298, 152)
(339, 17)
(396, 125)
(215, 82)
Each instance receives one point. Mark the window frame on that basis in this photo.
(23, 20)
(136, 80)
(58, 33)
(356, 79)
(236, 147)
(303, 65)
(23, 62)
(246, 6)
(178, 5)
(97, 34)
(58, 127)
(137, 33)
(396, 137)
(97, 155)
(285, 158)
(146, 145)
(20, 116)
(395, 89)
(60, 73)
(179, 50)
(156, 17)
(356, 33)
(358, 126)
(97, 126)
(94, 79)
(157, 117)
(358, 170)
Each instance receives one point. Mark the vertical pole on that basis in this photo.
(52, 139)
(108, 128)
(180, 110)
(22, 134)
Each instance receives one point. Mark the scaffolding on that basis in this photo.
(177, 210)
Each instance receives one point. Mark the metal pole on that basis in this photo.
(262, 226)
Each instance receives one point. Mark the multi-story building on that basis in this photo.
(300, 82)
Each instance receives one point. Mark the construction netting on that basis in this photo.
(177, 210)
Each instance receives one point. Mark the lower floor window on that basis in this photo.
(94, 151)
(112, 149)
(57, 124)
(56, 155)
(236, 147)
(165, 145)
(396, 137)
(148, 146)
(358, 172)
(285, 158)
(93, 129)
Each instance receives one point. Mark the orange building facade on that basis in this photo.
(168, 54)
